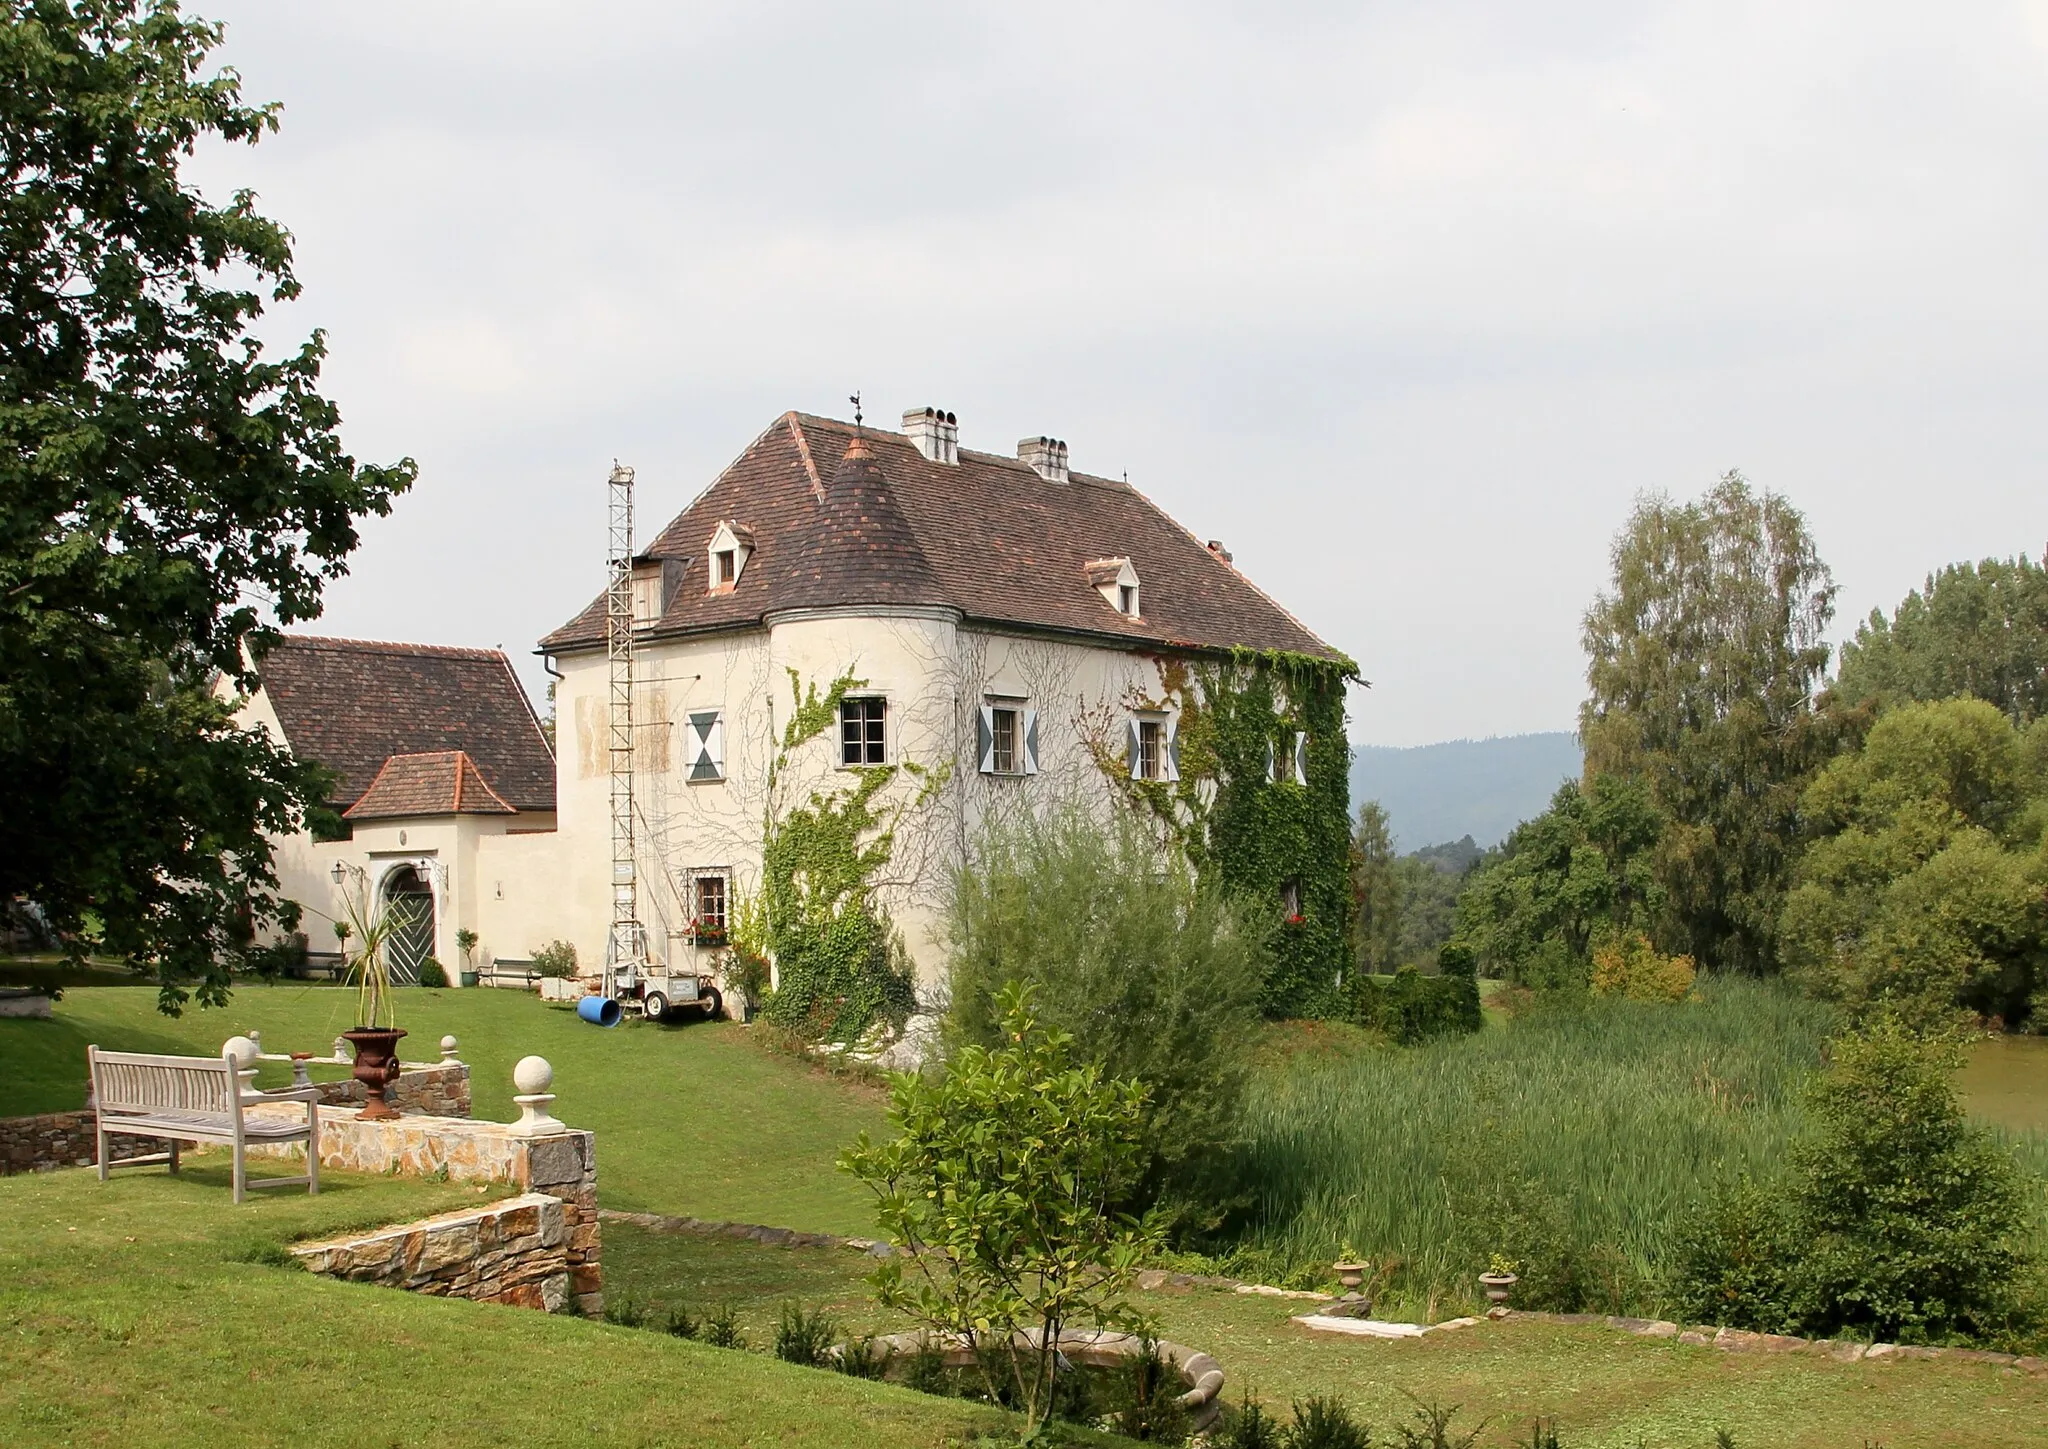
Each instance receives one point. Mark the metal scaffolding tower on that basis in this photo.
(628, 945)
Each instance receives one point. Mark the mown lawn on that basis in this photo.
(692, 1119)
(150, 1310)
(1606, 1390)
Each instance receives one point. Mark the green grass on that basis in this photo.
(693, 1119)
(1619, 1114)
(148, 1310)
(1607, 1390)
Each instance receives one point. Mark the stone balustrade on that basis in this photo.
(65, 1139)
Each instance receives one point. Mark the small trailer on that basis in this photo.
(659, 993)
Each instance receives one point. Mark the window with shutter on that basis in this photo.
(1000, 740)
(704, 746)
(1301, 757)
(1150, 759)
(1030, 723)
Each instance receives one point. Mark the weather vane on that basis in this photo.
(854, 398)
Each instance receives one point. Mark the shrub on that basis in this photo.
(804, 1335)
(432, 974)
(722, 1328)
(1432, 1429)
(1413, 1008)
(1002, 1183)
(625, 1310)
(1324, 1423)
(1143, 1399)
(556, 960)
(1628, 965)
(679, 1324)
(924, 1369)
(1249, 1428)
(863, 1358)
(1154, 978)
(1897, 1218)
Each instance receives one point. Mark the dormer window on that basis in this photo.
(731, 545)
(1117, 582)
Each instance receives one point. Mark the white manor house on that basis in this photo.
(999, 629)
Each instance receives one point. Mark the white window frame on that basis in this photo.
(724, 543)
(698, 880)
(1024, 739)
(840, 724)
(1288, 767)
(1166, 759)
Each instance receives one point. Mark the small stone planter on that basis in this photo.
(1353, 1304)
(1498, 1286)
(1093, 1347)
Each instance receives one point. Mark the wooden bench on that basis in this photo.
(195, 1099)
(520, 975)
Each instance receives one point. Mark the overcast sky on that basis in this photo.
(1405, 302)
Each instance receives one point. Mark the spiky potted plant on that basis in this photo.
(376, 1033)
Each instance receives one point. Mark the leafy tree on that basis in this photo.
(1153, 977)
(164, 489)
(1703, 660)
(1926, 885)
(1978, 629)
(1003, 1182)
(1897, 1219)
(1431, 880)
(1579, 872)
(1375, 890)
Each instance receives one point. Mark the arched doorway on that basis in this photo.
(410, 900)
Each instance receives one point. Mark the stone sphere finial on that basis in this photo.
(449, 1047)
(532, 1077)
(243, 1050)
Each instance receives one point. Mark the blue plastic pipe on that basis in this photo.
(600, 1010)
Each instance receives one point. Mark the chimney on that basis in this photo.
(935, 433)
(1216, 547)
(1047, 457)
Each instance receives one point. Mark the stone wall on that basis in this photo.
(563, 1165)
(62, 1139)
(65, 1139)
(514, 1252)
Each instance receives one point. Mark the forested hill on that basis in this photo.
(1481, 788)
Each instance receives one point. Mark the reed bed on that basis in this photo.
(1607, 1120)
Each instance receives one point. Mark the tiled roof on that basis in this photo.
(986, 536)
(445, 782)
(352, 704)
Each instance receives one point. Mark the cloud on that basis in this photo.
(1405, 301)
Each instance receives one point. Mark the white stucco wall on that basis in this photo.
(497, 875)
(935, 675)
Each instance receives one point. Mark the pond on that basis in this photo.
(2006, 1082)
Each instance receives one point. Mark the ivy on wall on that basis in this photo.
(1281, 846)
(840, 964)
